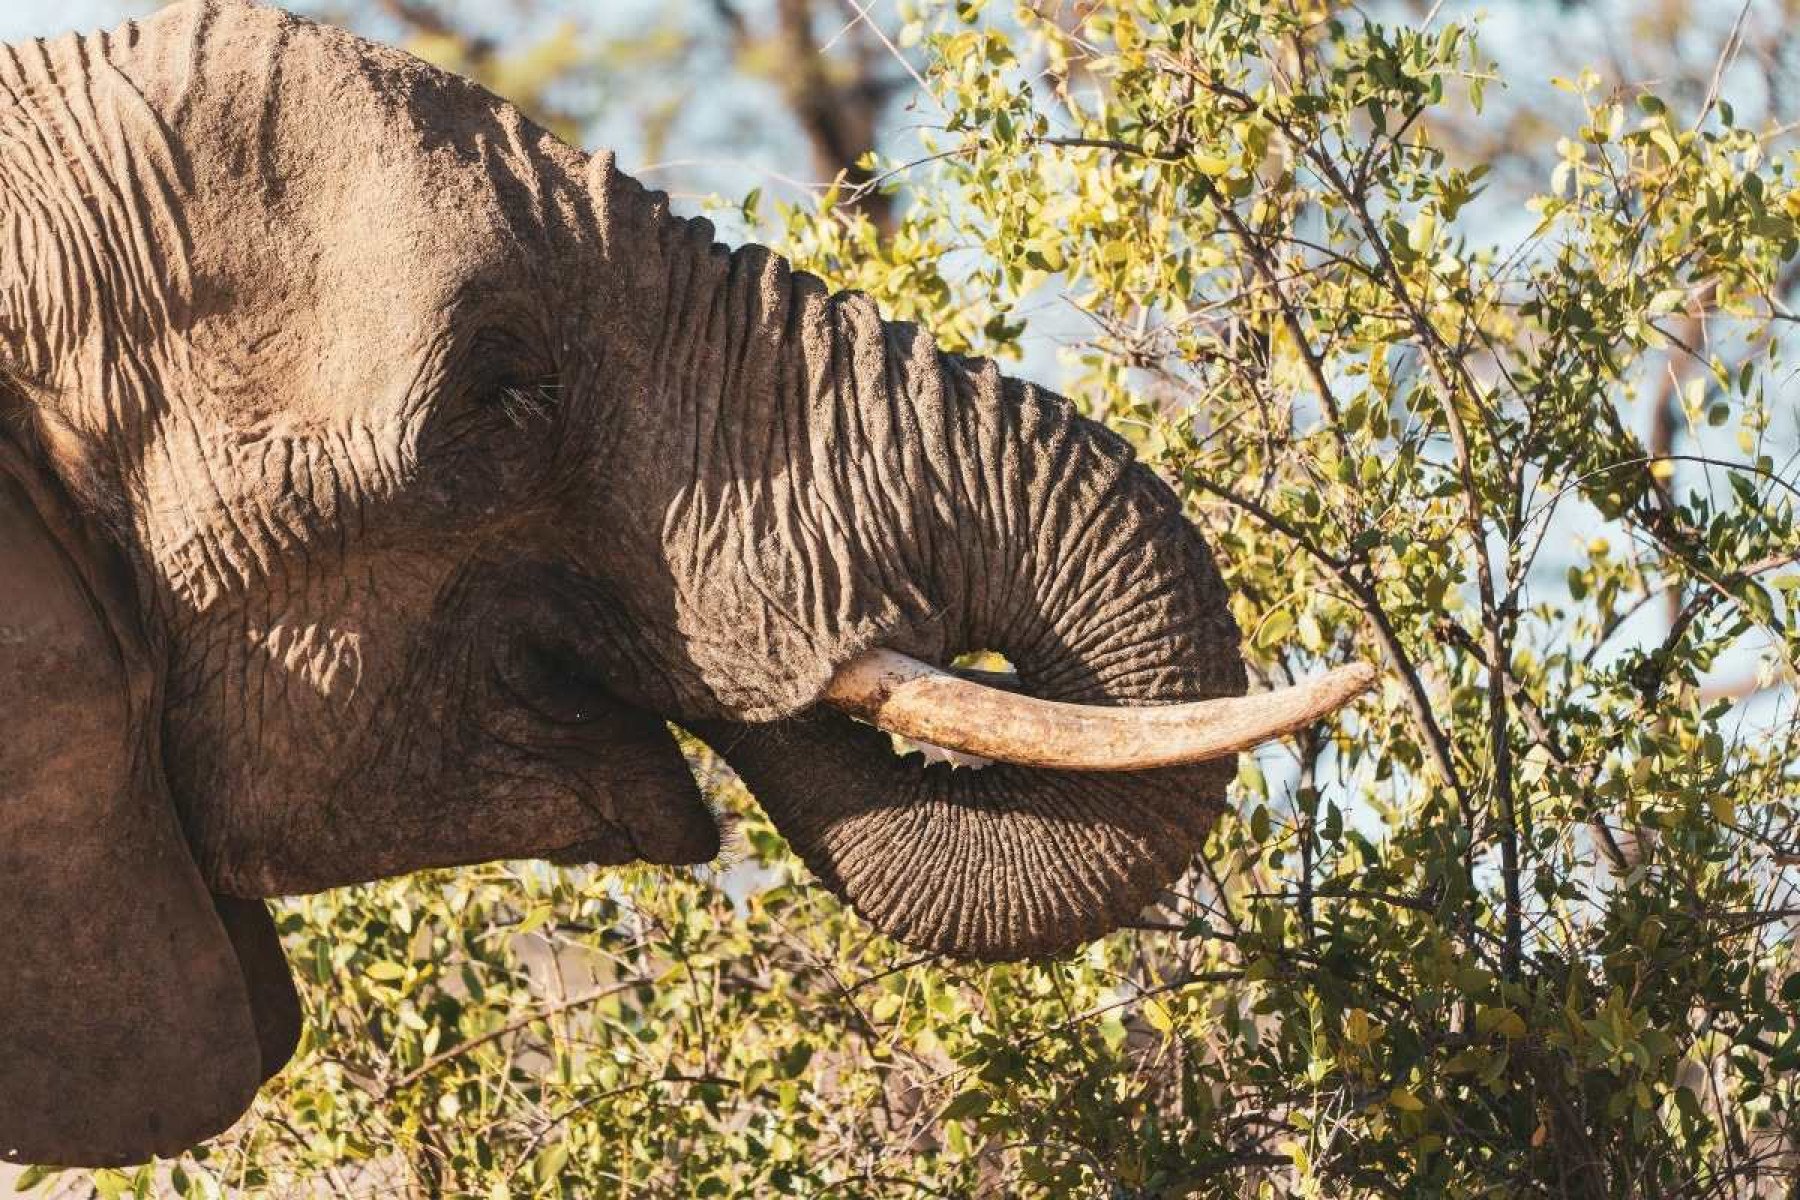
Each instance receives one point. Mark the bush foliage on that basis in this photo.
(1519, 924)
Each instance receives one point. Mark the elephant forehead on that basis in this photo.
(350, 204)
(295, 217)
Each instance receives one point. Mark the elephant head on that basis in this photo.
(380, 476)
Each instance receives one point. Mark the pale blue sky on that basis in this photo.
(41, 18)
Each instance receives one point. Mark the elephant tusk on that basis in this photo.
(924, 703)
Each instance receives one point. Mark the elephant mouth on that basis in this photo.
(677, 829)
(562, 723)
(618, 844)
(614, 848)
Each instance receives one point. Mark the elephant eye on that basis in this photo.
(494, 390)
(505, 381)
(553, 685)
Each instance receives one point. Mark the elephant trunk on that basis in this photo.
(808, 486)
(1044, 542)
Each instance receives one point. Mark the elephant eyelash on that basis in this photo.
(509, 379)
(524, 405)
(15, 382)
(506, 405)
(15, 414)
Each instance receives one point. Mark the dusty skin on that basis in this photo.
(379, 475)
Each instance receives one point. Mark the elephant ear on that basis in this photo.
(126, 1028)
(274, 1003)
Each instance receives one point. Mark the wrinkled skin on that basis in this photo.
(445, 466)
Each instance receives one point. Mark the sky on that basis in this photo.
(46, 18)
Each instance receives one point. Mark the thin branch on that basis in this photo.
(462, 1049)
(1418, 698)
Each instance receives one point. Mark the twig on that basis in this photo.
(475, 1043)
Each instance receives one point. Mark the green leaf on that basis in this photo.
(1275, 629)
(970, 1103)
(1503, 1021)
(32, 1177)
(536, 919)
(547, 1167)
(1405, 1101)
(795, 1058)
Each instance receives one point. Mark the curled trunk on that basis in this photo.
(1053, 548)
(1001, 862)
(814, 484)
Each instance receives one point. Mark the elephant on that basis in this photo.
(381, 479)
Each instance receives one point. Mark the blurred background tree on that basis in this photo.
(1466, 342)
(701, 89)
